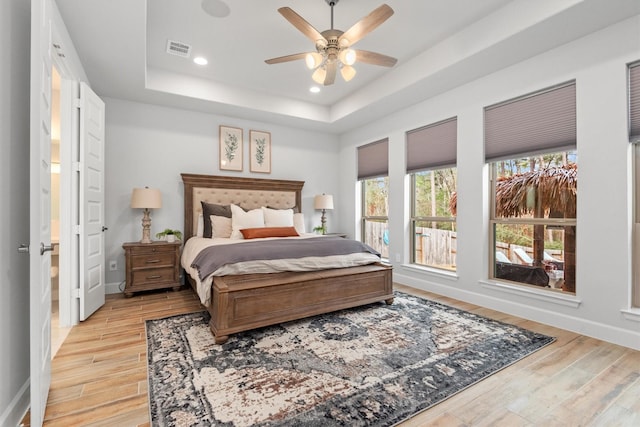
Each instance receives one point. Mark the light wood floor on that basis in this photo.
(100, 374)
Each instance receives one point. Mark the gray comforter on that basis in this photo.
(214, 257)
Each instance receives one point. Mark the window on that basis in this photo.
(373, 164)
(530, 145)
(634, 137)
(534, 220)
(375, 219)
(431, 159)
(433, 224)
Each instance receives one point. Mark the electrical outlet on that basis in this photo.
(113, 266)
(398, 258)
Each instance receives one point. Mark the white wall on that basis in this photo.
(151, 146)
(598, 64)
(14, 208)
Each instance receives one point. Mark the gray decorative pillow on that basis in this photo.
(209, 209)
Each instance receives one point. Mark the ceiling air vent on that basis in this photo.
(178, 48)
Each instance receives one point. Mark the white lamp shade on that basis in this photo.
(324, 201)
(313, 59)
(149, 198)
(347, 72)
(319, 75)
(348, 56)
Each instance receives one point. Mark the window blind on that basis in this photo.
(432, 146)
(534, 123)
(634, 102)
(373, 159)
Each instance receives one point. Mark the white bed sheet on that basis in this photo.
(196, 244)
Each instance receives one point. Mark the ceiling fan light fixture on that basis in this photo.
(319, 75)
(333, 46)
(313, 60)
(347, 72)
(347, 56)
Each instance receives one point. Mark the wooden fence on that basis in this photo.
(374, 236)
(436, 248)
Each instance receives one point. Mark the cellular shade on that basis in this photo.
(634, 102)
(432, 146)
(373, 159)
(539, 122)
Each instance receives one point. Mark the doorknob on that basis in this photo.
(104, 228)
(23, 248)
(44, 248)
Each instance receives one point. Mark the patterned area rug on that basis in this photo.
(370, 366)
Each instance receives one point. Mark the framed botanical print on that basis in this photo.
(260, 151)
(230, 148)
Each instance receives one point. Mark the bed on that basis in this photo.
(240, 302)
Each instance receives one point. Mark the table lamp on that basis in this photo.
(146, 198)
(324, 202)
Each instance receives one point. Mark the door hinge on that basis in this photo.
(77, 166)
(77, 103)
(77, 229)
(75, 293)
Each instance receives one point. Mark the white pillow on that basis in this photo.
(241, 219)
(298, 223)
(277, 217)
(220, 226)
(200, 228)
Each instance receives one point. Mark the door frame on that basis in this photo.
(68, 270)
(68, 258)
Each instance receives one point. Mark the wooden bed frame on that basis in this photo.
(244, 302)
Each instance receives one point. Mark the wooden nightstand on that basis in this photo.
(153, 265)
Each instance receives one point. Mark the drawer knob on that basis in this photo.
(155, 276)
(153, 261)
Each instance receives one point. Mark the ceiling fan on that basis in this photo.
(333, 47)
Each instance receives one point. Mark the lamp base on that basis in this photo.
(146, 227)
(323, 222)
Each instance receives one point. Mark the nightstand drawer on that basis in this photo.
(153, 276)
(152, 249)
(159, 259)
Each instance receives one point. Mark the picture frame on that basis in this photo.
(231, 144)
(259, 151)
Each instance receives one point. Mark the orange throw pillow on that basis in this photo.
(260, 232)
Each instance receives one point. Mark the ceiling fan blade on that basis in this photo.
(367, 24)
(375, 58)
(332, 67)
(300, 23)
(286, 58)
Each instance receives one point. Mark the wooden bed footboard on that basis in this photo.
(244, 302)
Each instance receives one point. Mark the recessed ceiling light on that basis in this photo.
(216, 8)
(200, 60)
(314, 89)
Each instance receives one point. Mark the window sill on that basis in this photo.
(632, 314)
(449, 275)
(540, 295)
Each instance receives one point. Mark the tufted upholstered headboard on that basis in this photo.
(250, 193)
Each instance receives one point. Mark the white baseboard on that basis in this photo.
(587, 327)
(113, 288)
(17, 409)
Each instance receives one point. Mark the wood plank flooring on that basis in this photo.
(100, 374)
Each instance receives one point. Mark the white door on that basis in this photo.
(40, 209)
(92, 225)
